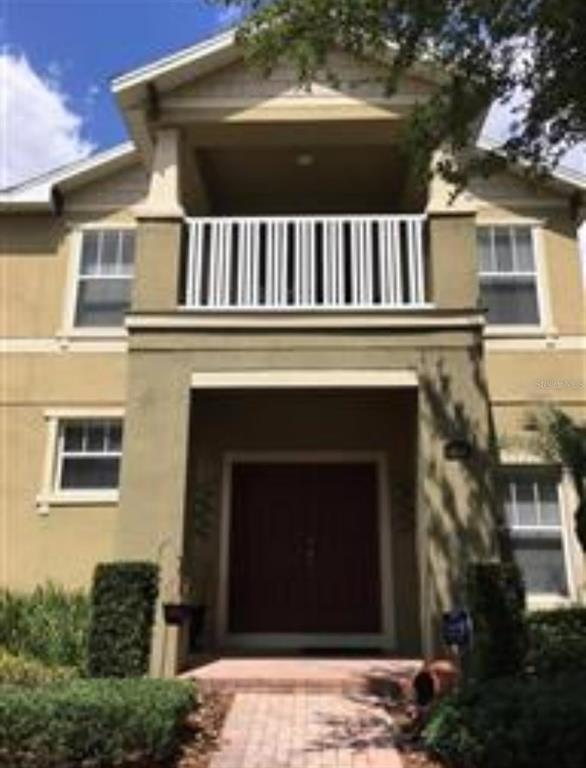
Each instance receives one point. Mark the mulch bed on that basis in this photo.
(205, 726)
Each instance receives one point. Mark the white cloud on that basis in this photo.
(38, 129)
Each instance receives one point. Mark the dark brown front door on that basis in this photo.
(304, 549)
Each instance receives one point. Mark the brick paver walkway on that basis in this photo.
(306, 730)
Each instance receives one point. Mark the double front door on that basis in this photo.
(304, 552)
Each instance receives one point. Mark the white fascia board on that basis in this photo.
(37, 193)
(125, 85)
(208, 50)
(568, 177)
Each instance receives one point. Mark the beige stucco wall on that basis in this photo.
(44, 366)
(64, 544)
(32, 278)
(457, 522)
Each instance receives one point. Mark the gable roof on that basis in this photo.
(561, 177)
(136, 90)
(39, 192)
(178, 67)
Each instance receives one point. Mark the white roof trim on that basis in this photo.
(39, 190)
(170, 66)
(568, 176)
(175, 61)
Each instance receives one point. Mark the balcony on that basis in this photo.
(306, 263)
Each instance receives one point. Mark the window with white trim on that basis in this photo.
(104, 280)
(88, 455)
(533, 515)
(507, 273)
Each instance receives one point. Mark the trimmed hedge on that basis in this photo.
(18, 670)
(48, 624)
(93, 722)
(512, 723)
(557, 641)
(123, 609)
(496, 596)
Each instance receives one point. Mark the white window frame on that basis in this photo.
(544, 325)
(536, 600)
(70, 329)
(51, 494)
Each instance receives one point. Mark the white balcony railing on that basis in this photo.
(305, 263)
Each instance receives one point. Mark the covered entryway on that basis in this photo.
(308, 495)
(304, 549)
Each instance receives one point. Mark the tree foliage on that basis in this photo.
(492, 50)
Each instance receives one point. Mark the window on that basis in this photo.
(533, 515)
(508, 275)
(105, 277)
(88, 455)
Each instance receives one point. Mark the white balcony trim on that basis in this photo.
(306, 263)
(422, 317)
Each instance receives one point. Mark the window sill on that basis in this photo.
(548, 602)
(114, 332)
(76, 499)
(84, 339)
(517, 331)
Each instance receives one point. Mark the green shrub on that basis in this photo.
(92, 722)
(18, 670)
(48, 624)
(123, 609)
(512, 723)
(557, 641)
(497, 602)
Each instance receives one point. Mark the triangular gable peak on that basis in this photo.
(211, 82)
(346, 78)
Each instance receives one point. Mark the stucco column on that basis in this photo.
(164, 195)
(156, 426)
(160, 229)
(453, 264)
(153, 483)
(457, 514)
(158, 265)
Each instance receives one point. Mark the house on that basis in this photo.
(251, 347)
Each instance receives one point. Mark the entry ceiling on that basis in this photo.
(303, 179)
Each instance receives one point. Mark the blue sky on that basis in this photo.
(81, 44)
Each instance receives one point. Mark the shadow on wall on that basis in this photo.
(464, 518)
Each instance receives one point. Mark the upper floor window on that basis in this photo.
(88, 456)
(533, 515)
(508, 275)
(105, 277)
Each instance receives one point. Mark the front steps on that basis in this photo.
(378, 676)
